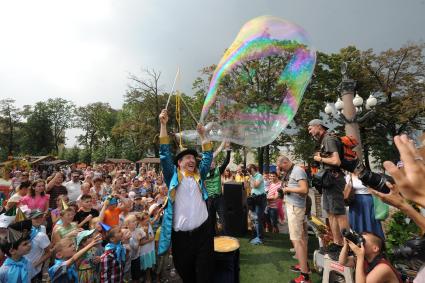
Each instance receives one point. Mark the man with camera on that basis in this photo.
(369, 260)
(333, 180)
(295, 189)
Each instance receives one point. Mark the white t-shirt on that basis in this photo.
(358, 186)
(38, 244)
(190, 209)
(74, 190)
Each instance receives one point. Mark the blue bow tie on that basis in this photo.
(17, 270)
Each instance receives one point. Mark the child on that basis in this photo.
(88, 262)
(67, 216)
(137, 234)
(86, 209)
(147, 258)
(112, 213)
(40, 244)
(63, 269)
(112, 261)
(16, 268)
(56, 213)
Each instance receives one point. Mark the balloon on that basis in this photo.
(258, 85)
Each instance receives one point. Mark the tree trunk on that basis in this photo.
(267, 158)
(244, 156)
(260, 159)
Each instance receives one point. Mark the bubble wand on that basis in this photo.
(172, 88)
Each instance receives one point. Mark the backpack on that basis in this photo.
(348, 156)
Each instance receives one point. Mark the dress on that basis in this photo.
(86, 268)
(148, 257)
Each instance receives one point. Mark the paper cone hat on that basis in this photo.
(64, 206)
(11, 211)
(20, 216)
(13, 235)
(105, 227)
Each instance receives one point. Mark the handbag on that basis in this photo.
(382, 210)
(349, 195)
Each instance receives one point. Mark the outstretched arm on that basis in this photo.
(226, 161)
(164, 149)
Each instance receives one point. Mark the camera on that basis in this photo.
(412, 249)
(374, 180)
(353, 237)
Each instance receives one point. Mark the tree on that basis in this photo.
(9, 121)
(36, 135)
(61, 115)
(96, 120)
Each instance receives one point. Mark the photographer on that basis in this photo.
(333, 197)
(369, 260)
(295, 189)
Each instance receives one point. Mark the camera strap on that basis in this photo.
(287, 175)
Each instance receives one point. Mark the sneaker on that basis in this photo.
(295, 268)
(292, 250)
(300, 279)
(256, 241)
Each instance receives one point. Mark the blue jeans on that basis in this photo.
(272, 216)
(258, 214)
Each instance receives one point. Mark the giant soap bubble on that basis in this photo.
(258, 85)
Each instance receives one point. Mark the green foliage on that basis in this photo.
(399, 230)
(237, 157)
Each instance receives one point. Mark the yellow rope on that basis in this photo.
(178, 116)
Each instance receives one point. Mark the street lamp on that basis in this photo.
(349, 108)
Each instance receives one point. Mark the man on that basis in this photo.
(295, 189)
(214, 189)
(370, 262)
(73, 187)
(185, 221)
(333, 197)
(55, 188)
(258, 195)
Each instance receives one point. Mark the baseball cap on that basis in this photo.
(36, 213)
(316, 122)
(82, 235)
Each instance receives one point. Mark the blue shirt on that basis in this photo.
(260, 189)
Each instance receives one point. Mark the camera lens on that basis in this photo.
(375, 181)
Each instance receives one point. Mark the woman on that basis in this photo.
(227, 176)
(361, 211)
(37, 198)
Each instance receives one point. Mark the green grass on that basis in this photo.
(270, 262)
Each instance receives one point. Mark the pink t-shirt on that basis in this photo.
(37, 202)
(272, 190)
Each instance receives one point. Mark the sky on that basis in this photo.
(85, 50)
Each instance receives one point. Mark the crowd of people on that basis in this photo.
(116, 224)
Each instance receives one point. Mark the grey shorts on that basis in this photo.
(333, 197)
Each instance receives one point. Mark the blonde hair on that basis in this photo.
(93, 222)
(129, 218)
(62, 243)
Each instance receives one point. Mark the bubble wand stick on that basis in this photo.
(188, 110)
(172, 88)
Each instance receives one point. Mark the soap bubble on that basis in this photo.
(258, 85)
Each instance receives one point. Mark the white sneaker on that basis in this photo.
(292, 250)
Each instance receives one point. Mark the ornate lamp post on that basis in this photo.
(349, 109)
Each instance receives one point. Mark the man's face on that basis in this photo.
(284, 164)
(188, 163)
(369, 246)
(75, 177)
(24, 177)
(315, 131)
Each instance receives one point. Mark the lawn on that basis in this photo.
(270, 262)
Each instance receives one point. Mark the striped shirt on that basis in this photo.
(271, 192)
(111, 271)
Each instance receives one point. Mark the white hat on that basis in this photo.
(6, 220)
(152, 208)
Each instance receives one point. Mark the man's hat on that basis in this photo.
(316, 122)
(183, 152)
(36, 213)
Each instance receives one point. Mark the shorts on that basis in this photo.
(333, 197)
(135, 269)
(295, 216)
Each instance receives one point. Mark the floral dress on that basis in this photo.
(86, 268)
